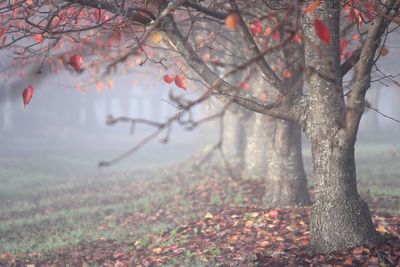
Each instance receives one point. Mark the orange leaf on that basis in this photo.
(384, 51)
(322, 31)
(232, 20)
(286, 74)
(312, 7)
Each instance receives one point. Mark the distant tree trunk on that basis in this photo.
(286, 183)
(273, 152)
(395, 107)
(7, 108)
(233, 138)
(90, 120)
(257, 139)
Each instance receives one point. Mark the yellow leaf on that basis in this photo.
(156, 37)
(208, 216)
(110, 83)
(249, 223)
(157, 250)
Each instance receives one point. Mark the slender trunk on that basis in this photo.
(370, 124)
(233, 139)
(7, 108)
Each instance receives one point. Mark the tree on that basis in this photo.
(340, 218)
(328, 115)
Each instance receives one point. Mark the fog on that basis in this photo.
(65, 123)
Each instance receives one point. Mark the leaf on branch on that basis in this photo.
(180, 82)
(4, 40)
(76, 62)
(297, 38)
(27, 95)
(245, 86)
(343, 45)
(38, 38)
(384, 51)
(322, 31)
(287, 74)
(312, 7)
(256, 27)
(232, 20)
(156, 37)
(168, 78)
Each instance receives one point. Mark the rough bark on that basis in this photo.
(340, 218)
(255, 158)
(286, 183)
(273, 152)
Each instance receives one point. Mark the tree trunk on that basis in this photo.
(233, 139)
(340, 218)
(273, 153)
(286, 183)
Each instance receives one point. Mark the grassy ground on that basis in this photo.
(55, 201)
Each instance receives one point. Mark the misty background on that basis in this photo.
(64, 125)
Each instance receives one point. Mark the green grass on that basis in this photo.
(51, 202)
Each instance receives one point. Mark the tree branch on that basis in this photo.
(219, 85)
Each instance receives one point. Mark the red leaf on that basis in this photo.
(180, 82)
(38, 38)
(97, 14)
(276, 35)
(343, 45)
(322, 31)
(4, 41)
(245, 86)
(3, 31)
(298, 39)
(27, 95)
(76, 61)
(274, 213)
(168, 78)
(256, 27)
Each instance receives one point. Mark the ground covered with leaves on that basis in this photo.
(177, 216)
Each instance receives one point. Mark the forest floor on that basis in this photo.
(50, 216)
